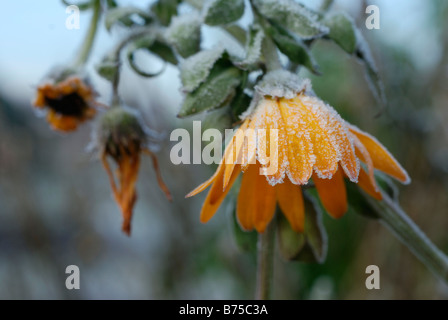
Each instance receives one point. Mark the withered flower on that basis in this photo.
(122, 137)
(68, 98)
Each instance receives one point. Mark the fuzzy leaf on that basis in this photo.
(215, 92)
(165, 10)
(163, 51)
(291, 243)
(253, 48)
(218, 12)
(184, 33)
(342, 31)
(196, 68)
(123, 15)
(293, 16)
(296, 51)
(373, 79)
(314, 229)
(146, 43)
(82, 6)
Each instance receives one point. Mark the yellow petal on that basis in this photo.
(381, 158)
(300, 151)
(233, 153)
(290, 200)
(332, 193)
(339, 135)
(216, 195)
(363, 154)
(365, 182)
(219, 171)
(326, 156)
(246, 206)
(271, 140)
(265, 203)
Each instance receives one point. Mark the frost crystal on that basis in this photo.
(195, 69)
(283, 84)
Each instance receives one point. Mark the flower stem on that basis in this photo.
(410, 235)
(265, 263)
(90, 37)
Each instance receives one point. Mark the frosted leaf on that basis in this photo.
(371, 71)
(123, 15)
(184, 33)
(218, 12)
(342, 31)
(219, 87)
(283, 84)
(293, 16)
(253, 49)
(196, 68)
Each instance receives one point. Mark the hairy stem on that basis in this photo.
(393, 216)
(265, 263)
(86, 47)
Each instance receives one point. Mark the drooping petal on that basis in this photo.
(61, 122)
(333, 194)
(162, 185)
(381, 158)
(363, 154)
(365, 182)
(233, 153)
(216, 195)
(246, 206)
(219, 172)
(339, 135)
(249, 151)
(290, 200)
(300, 152)
(266, 203)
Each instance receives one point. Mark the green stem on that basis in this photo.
(265, 263)
(90, 37)
(410, 235)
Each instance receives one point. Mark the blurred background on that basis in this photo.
(56, 207)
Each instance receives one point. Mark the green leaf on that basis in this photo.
(145, 43)
(163, 51)
(242, 100)
(196, 68)
(342, 31)
(123, 15)
(184, 33)
(309, 246)
(290, 243)
(82, 6)
(295, 50)
(253, 48)
(358, 202)
(219, 12)
(364, 55)
(107, 69)
(314, 229)
(215, 92)
(165, 10)
(293, 16)
(246, 241)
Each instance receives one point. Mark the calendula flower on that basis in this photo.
(312, 143)
(69, 100)
(123, 138)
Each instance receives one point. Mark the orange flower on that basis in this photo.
(314, 143)
(70, 102)
(123, 138)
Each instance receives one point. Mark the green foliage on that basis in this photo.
(293, 16)
(184, 34)
(219, 12)
(124, 15)
(215, 92)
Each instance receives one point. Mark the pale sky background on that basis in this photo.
(34, 38)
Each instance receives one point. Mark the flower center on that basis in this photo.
(69, 105)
